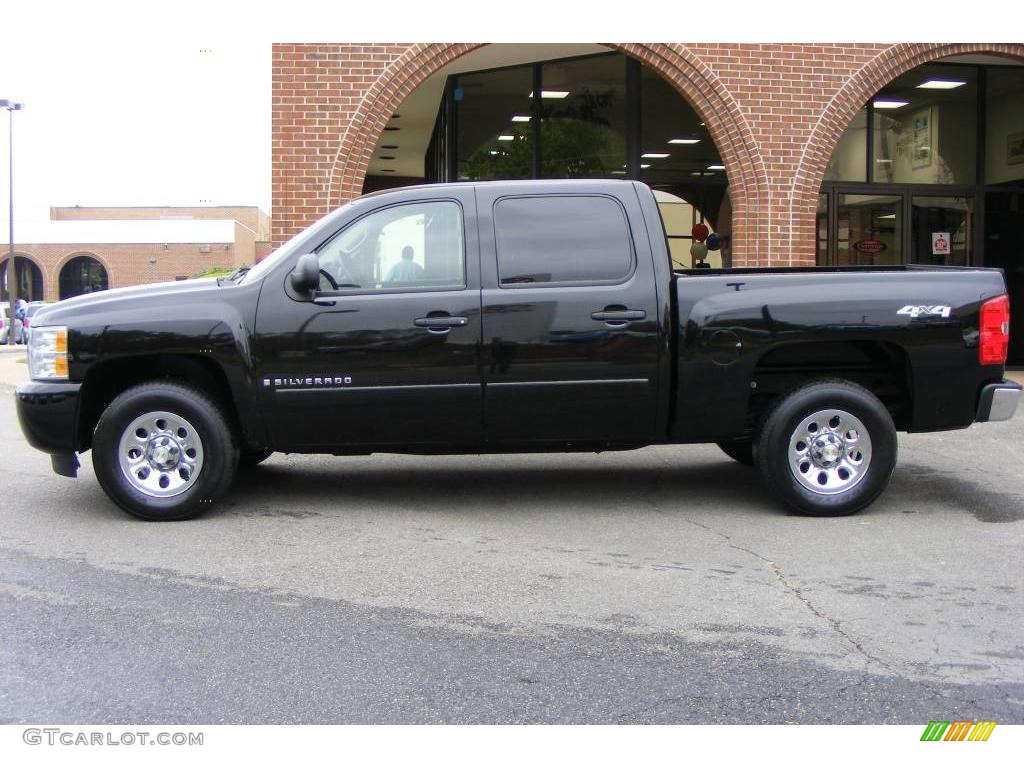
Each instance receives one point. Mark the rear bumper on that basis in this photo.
(998, 402)
(49, 416)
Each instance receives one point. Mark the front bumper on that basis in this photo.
(998, 402)
(48, 413)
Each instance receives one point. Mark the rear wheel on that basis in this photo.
(739, 450)
(827, 449)
(164, 451)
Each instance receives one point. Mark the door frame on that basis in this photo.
(906, 193)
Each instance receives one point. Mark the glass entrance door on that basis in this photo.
(858, 225)
(942, 230)
(869, 230)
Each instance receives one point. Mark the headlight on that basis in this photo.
(48, 352)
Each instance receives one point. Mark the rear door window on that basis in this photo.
(562, 240)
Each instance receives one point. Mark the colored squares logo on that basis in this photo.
(958, 730)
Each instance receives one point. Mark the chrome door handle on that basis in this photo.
(440, 323)
(618, 315)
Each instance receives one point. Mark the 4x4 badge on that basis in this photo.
(925, 310)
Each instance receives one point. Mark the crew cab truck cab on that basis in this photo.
(508, 317)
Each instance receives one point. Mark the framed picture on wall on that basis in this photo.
(1015, 148)
(921, 139)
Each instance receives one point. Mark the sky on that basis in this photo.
(170, 103)
(159, 120)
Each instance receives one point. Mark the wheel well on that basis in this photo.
(110, 378)
(880, 367)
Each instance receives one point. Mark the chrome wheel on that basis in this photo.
(160, 454)
(830, 451)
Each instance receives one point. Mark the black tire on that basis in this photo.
(202, 489)
(250, 457)
(793, 423)
(739, 450)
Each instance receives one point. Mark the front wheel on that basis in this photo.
(164, 451)
(827, 449)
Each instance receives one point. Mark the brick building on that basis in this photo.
(83, 249)
(795, 154)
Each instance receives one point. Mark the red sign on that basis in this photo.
(869, 247)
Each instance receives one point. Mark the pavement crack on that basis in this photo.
(796, 592)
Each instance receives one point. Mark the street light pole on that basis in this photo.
(12, 281)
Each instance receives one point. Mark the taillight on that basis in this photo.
(995, 331)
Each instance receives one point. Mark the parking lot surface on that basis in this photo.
(659, 585)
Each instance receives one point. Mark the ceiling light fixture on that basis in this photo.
(889, 103)
(942, 85)
(684, 141)
(506, 137)
(551, 94)
(716, 167)
(520, 118)
(655, 155)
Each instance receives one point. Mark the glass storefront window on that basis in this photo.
(596, 116)
(849, 161)
(942, 230)
(869, 230)
(1004, 125)
(583, 117)
(669, 126)
(925, 127)
(494, 124)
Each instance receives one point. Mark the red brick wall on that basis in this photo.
(128, 264)
(316, 92)
(774, 111)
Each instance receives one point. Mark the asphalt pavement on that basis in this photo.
(652, 586)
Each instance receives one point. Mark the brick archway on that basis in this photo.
(868, 80)
(68, 257)
(33, 260)
(726, 123)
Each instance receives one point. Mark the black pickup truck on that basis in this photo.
(510, 317)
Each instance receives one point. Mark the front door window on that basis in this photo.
(417, 246)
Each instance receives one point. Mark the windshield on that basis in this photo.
(273, 259)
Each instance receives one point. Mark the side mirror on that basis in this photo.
(305, 278)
